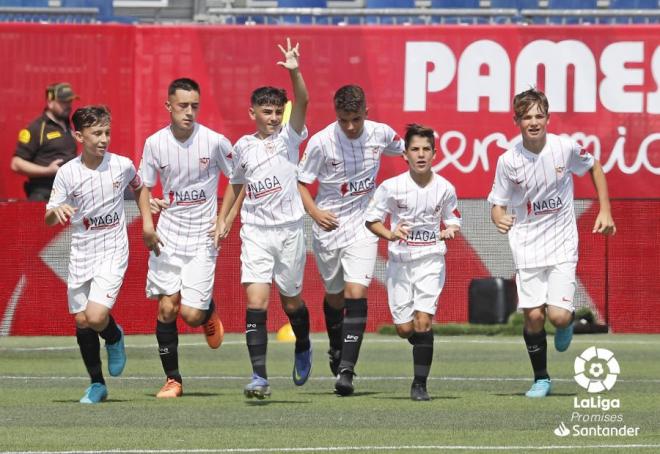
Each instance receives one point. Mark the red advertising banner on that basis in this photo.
(602, 82)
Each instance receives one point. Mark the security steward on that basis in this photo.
(46, 143)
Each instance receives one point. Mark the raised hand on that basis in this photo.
(291, 55)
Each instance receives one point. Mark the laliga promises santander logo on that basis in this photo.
(596, 370)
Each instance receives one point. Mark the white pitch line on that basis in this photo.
(288, 378)
(351, 448)
(8, 318)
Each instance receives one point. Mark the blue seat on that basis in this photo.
(458, 4)
(106, 11)
(25, 3)
(572, 4)
(301, 4)
(634, 4)
(381, 4)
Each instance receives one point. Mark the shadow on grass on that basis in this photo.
(405, 397)
(265, 402)
(522, 394)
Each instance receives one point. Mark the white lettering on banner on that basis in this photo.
(453, 144)
(430, 67)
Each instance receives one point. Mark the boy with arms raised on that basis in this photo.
(89, 191)
(417, 202)
(273, 245)
(535, 180)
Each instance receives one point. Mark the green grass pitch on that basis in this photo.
(477, 385)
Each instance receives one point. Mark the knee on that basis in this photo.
(168, 311)
(335, 300)
(534, 322)
(192, 316)
(404, 331)
(81, 320)
(561, 319)
(355, 291)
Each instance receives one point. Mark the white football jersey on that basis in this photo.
(538, 190)
(421, 208)
(268, 169)
(98, 227)
(189, 173)
(346, 170)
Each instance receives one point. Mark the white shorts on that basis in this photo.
(414, 286)
(553, 285)
(102, 289)
(193, 276)
(274, 253)
(354, 263)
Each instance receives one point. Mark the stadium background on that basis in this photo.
(128, 68)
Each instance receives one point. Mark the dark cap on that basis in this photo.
(61, 91)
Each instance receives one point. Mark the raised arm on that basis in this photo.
(301, 96)
(604, 222)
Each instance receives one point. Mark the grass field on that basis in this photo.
(477, 385)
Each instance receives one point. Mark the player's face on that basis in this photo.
(268, 119)
(183, 106)
(351, 123)
(419, 154)
(533, 126)
(95, 140)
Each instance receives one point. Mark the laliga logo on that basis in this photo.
(602, 372)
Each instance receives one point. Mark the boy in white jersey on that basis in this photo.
(417, 202)
(89, 191)
(188, 157)
(273, 245)
(535, 180)
(345, 158)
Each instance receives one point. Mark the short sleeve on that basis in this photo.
(59, 193)
(395, 145)
(133, 178)
(27, 145)
(238, 173)
(310, 162)
(225, 156)
(502, 189)
(450, 213)
(377, 208)
(580, 160)
(293, 141)
(148, 173)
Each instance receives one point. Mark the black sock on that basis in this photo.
(111, 333)
(90, 349)
(168, 344)
(300, 324)
(256, 337)
(422, 354)
(355, 322)
(334, 322)
(537, 348)
(209, 312)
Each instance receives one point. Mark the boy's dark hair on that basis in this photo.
(350, 98)
(524, 101)
(269, 96)
(182, 84)
(88, 116)
(414, 129)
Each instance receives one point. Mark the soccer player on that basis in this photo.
(272, 240)
(417, 201)
(345, 158)
(534, 179)
(188, 158)
(89, 192)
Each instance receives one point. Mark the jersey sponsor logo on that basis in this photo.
(359, 187)
(262, 188)
(163, 167)
(24, 136)
(421, 238)
(53, 135)
(204, 163)
(551, 205)
(76, 194)
(187, 198)
(102, 222)
(335, 163)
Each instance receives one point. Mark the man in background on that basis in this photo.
(46, 143)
